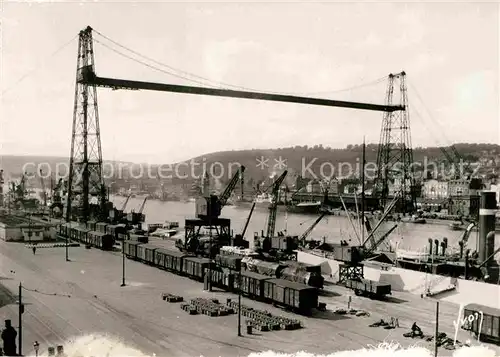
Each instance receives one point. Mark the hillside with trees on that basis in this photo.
(296, 159)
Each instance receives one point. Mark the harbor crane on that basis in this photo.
(208, 210)
(44, 192)
(125, 203)
(248, 219)
(455, 161)
(351, 257)
(56, 194)
(269, 244)
(303, 237)
(136, 218)
(86, 153)
(273, 208)
(240, 238)
(119, 215)
(209, 207)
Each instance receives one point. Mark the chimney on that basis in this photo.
(467, 252)
(490, 247)
(444, 246)
(487, 211)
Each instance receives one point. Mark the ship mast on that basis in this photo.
(363, 192)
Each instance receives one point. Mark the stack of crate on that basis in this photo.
(265, 321)
(172, 297)
(210, 307)
(189, 309)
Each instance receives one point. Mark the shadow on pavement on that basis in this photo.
(394, 300)
(329, 315)
(6, 296)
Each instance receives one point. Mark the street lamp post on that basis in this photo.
(123, 264)
(239, 302)
(21, 311)
(68, 232)
(235, 266)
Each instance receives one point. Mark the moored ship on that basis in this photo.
(305, 207)
(434, 270)
(261, 201)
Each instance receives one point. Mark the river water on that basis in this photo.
(333, 228)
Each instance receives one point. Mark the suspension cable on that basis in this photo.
(222, 84)
(418, 115)
(27, 74)
(146, 64)
(433, 120)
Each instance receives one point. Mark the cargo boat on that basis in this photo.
(261, 201)
(305, 207)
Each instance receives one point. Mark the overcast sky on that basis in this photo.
(450, 52)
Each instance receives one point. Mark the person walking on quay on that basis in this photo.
(9, 335)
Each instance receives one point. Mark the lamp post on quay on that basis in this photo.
(233, 262)
(123, 264)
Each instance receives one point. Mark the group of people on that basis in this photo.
(9, 335)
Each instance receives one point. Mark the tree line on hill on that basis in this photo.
(262, 163)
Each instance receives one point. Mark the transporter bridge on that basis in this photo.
(85, 176)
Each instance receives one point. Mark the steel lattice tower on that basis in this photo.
(395, 154)
(85, 173)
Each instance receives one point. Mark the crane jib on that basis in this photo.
(87, 76)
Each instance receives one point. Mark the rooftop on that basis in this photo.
(11, 220)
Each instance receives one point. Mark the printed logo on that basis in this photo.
(467, 322)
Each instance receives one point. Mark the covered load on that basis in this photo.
(244, 252)
(300, 274)
(138, 238)
(232, 262)
(261, 267)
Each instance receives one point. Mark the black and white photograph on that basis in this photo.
(251, 178)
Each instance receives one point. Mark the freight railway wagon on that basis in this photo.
(117, 231)
(370, 288)
(295, 296)
(484, 319)
(138, 238)
(292, 271)
(83, 235)
(174, 261)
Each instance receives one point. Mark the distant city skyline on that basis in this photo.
(450, 52)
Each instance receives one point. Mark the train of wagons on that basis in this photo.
(104, 236)
(292, 295)
(98, 234)
(224, 273)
